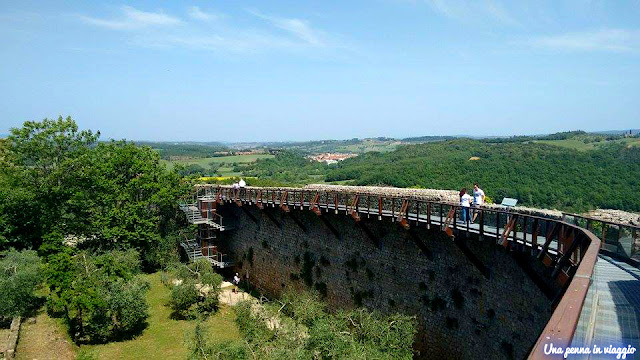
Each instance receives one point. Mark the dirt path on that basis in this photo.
(44, 339)
(4, 337)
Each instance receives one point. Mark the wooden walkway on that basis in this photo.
(611, 313)
(569, 250)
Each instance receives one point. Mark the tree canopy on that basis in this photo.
(55, 179)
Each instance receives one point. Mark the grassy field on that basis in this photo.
(164, 338)
(226, 169)
(578, 143)
(368, 145)
(204, 162)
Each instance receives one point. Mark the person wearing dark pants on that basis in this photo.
(465, 205)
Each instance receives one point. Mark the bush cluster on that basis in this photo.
(195, 288)
(20, 277)
(299, 326)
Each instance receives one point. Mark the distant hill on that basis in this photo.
(423, 139)
(578, 139)
(170, 150)
(619, 132)
(535, 173)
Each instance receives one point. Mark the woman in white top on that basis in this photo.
(465, 204)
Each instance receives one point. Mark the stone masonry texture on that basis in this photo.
(462, 314)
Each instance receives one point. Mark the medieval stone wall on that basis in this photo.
(462, 312)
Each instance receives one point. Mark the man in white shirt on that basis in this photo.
(241, 185)
(478, 199)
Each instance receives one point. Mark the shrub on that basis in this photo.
(20, 276)
(200, 349)
(306, 330)
(198, 291)
(162, 253)
(127, 305)
(183, 298)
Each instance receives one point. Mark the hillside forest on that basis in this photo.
(87, 225)
(538, 173)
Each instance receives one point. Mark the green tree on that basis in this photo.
(38, 168)
(99, 296)
(58, 181)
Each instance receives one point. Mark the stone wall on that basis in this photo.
(9, 343)
(462, 312)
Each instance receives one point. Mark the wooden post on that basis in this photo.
(454, 217)
(467, 220)
(393, 207)
(534, 236)
(301, 200)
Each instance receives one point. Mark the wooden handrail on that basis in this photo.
(563, 322)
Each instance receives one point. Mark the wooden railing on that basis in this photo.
(569, 250)
(621, 239)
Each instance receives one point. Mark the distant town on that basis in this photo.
(330, 158)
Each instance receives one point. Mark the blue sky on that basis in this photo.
(296, 70)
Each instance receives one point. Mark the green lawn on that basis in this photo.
(204, 162)
(164, 338)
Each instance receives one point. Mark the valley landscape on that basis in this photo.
(245, 180)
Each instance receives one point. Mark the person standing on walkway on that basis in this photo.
(236, 189)
(242, 184)
(478, 200)
(236, 282)
(465, 204)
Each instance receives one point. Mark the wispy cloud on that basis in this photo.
(237, 42)
(196, 13)
(498, 12)
(132, 18)
(296, 27)
(607, 40)
(199, 31)
(474, 11)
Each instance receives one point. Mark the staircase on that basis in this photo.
(194, 252)
(194, 216)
